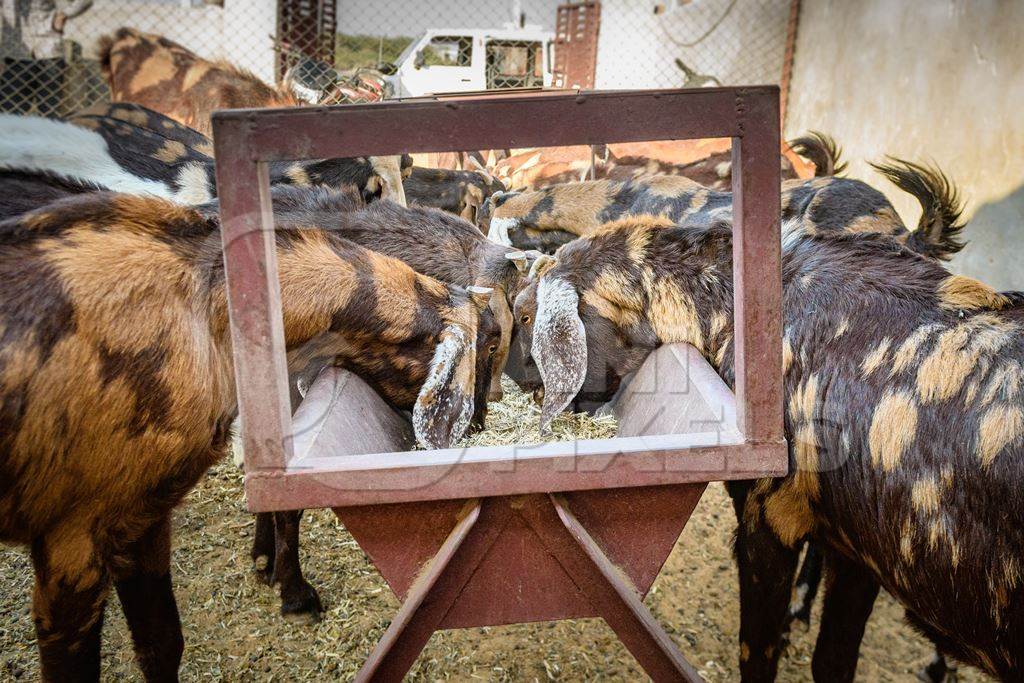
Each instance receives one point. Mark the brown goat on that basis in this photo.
(118, 391)
(905, 417)
(145, 118)
(820, 205)
(432, 242)
(547, 218)
(160, 74)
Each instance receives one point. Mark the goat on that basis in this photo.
(460, 192)
(533, 169)
(430, 241)
(21, 192)
(938, 670)
(142, 117)
(118, 391)
(160, 74)
(115, 155)
(547, 218)
(904, 390)
(821, 205)
(122, 156)
(433, 243)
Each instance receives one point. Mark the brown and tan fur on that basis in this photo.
(117, 391)
(160, 74)
(462, 193)
(430, 241)
(155, 148)
(142, 117)
(904, 413)
(709, 162)
(546, 219)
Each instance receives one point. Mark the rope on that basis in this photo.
(711, 29)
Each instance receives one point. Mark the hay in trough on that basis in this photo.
(515, 420)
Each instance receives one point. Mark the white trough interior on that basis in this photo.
(675, 401)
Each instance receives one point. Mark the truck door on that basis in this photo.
(514, 63)
(442, 64)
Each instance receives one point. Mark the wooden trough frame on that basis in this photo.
(498, 535)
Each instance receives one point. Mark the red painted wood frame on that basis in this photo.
(279, 478)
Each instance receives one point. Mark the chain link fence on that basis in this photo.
(355, 50)
(54, 73)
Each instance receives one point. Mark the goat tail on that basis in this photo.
(938, 233)
(822, 151)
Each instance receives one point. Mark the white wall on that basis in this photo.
(925, 80)
(636, 48)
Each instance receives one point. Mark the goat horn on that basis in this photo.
(480, 296)
(520, 259)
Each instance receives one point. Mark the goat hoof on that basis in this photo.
(264, 569)
(800, 623)
(937, 671)
(302, 607)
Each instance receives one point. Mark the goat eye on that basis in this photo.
(525, 320)
(492, 349)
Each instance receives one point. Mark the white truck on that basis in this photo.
(467, 60)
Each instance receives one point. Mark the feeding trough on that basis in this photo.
(505, 534)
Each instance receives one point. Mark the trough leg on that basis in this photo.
(611, 594)
(850, 593)
(434, 592)
(766, 571)
(147, 598)
(67, 604)
(299, 600)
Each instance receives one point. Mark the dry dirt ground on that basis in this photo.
(234, 632)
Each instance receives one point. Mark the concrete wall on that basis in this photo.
(925, 80)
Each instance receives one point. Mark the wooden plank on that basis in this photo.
(614, 598)
(756, 266)
(431, 596)
(254, 307)
(310, 488)
(489, 123)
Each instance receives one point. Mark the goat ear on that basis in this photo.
(389, 170)
(559, 346)
(480, 296)
(444, 406)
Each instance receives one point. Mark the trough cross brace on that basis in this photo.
(442, 579)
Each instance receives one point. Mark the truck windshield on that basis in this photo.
(448, 51)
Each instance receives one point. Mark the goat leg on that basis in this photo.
(263, 549)
(767, 568)
(807, 582)
(67, 603)
(150, 609)
(850, 592)
(938, 670)
(299, 600)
